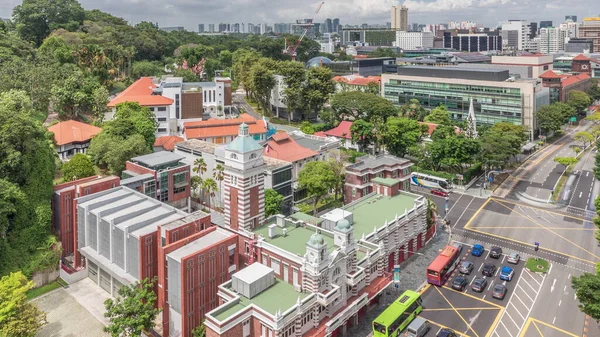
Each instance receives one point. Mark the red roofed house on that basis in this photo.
(223, 131)
(355, 82)
(342, 133)
(166, 143)
(72, 137)
(281, 146)
(561, 84)
(431, 127)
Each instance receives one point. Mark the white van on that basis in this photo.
(418, 327)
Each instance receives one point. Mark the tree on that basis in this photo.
(597, 167)
(35, 19)
(199, 331)
(18, 317)
(499, 146)
(219, 175)
(439, 115)
(294, 78)
(431, 213)
(587, 289)
(318, 87)
(209, 185)
(133, 311)
(112, 152)
(372, 88)
(146, 68)
(594, 91)
(361, 132)
(273, 201)
(455, 153)
(307, 128)
(262, 80)
(361, 105)
(76, 94)
(413, 110)
(584, 137)
(80, 166)
(566, 161)
(579, 100)
(594, 117)
(337, 163)
(383, 52)
(243, 59)
(400, 134)
(132, 118)
(443, 132)
(318, 179)
(550, 118)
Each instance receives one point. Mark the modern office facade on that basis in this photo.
(368, 36)
(414, 40)
(496, 96)
(473, 42)
(590, 29)
(516, 34)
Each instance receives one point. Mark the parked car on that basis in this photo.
(513, 258)
(460, 283)
(496, 252)
(446, 333)
(419, 327)
(488, 269)
(439, 193)
(458, 246)
(479, 285)
(466, 267)
(499, 291)
(506, 273)
(477, 250)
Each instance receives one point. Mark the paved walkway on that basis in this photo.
(89, 295)
(66, 317)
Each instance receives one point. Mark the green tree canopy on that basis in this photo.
(18, 317)
(587, 289)
(112, 152)
(594, 91)
(35, 19)
(262, 81)
(318, 178)
(550, 118)
(566, 161)
(579, 100)
(318, 87)
(383, 52)
(78, 167)
(362, 133)
(133, 311)
(400, 134)
(584, 137)
(439, 115)
(273, 201)
(131, 118)
(413, 110)
(147, 68)
(361, 105)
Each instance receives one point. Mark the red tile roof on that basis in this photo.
(73, 132)
(550, 74)
(281, 146)
(574, 79)
(580, 57)
(432, 126)
(167, 142)
(320, 134)
(222, 127)
(340, 131)
(141, 92)
(357, 80)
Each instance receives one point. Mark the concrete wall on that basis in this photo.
(43, 277)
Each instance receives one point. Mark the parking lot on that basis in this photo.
(478, 314)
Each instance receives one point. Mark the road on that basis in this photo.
(579, 190)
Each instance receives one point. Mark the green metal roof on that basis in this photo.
(386, 181)
(244, 142)
(306, 218)
(295, 239)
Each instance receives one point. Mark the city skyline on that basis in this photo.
(190, 14)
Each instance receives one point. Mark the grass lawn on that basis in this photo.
(33, 293)
(537, 266)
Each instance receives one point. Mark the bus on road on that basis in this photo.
(442, 266)
(431, 182)
(398, 315)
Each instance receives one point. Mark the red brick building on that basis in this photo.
(64, 203)
(393, 172)
(162, 175)
(561, 84)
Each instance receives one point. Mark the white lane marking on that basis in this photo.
(533, 277)
(559, 303)
(503, 257)
(497, 270)
(554, 320)
(463, 212)
(480, 266)
(533, 210)
(550, 214)
(490, 287)
(507, 314)
(525, 305)
(536, 296)
(580, 193)
(524, 292)
(488, 254)
(505, 327)
(518, 312)
(569, 277)
(472, 280)
(483, 298)
(565, 288)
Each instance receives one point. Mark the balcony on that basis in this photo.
(354, 279)
(327, 297)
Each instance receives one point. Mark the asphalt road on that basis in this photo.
(580, 193)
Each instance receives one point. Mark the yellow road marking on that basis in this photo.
(551, 152)
(531, 245)
(493, 326)
(425, 288)
(443, 326)
(476, 213)
(538, 329)
(475, 297)
(526, 327)
(538, 208)
(536, 227)
(554, 327)
(549, 230)
(458, 313)
(461, 309)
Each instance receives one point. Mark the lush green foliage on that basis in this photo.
(579, 100)
(413, 110)
(354, 105)
(566, 161)
(199, 331)
(594, 91)
(552, 117)
(80, 166)
(18, 317)
(132, 312)
(318, 179)
(587, 289)
(35, 19)
(273, 201)
(439, 115)
(400, 134)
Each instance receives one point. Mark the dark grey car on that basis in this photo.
(466, 267)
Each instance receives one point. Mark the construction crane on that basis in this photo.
(291, 49)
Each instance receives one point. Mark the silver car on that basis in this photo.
(466, 267)
(513, 258)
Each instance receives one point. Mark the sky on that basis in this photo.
(189, 13)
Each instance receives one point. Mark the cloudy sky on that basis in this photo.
(189, 13)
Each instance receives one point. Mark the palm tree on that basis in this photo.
(219, 176)
(431, 212)
(210, 186)
(200, 168)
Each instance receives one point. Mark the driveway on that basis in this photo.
(66, 317)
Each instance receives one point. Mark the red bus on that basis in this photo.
(442, 266)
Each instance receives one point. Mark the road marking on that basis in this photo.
(444, 327)
(463, 212)
(484, 297)
(488, 254)
(503, 257)
(532, 288)
(554, 327)
(459, 309)
(475, 297)
(565, 288)
(538, 227)
(480, 267)
(477, 212)
(538, 208)
(458, 313)
(580, 194)
(559, 303)
(532, 276)
(552, 286)
(533, 210)
(517, 309)
(526, 327)
(505, 327)
(538, 329)
(472, 280)
(490, 287)
(525, 292)
(554, 320)
(497, 270)
(509, 316)
(526, 306)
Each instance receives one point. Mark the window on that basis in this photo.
(246, 328)
(231, 256)
(233, 181)
(394, 173)
(162, 130)
(252, 156)
(177, 106)
(275, 266)
(380, 175)
(162, 108)
(353, 192)
(365, 179)
(162, 119)
(233, 156)
(179, 182)
(151, 109)
(246, 247)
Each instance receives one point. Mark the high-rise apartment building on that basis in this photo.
(211, 27)
(400, 18)
(571, 17)
(472, 42)
(533, 30)
(328, 25)
(414, 40)
(336, 28)
(571, 27)
(590, 29)
(516, 34)
(223, 27)
(201, 28)
(552, 40)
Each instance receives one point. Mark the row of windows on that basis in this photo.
(405, 172)
(452, 86)
(160, 109)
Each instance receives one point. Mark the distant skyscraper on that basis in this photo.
(250, 28)
(400, 18)
(545, 24)
(211, 27)
(388, 25)
(336, 26)
(571, 17)
(201, 28)
(222, 27)
(533, 30)
(328, 25)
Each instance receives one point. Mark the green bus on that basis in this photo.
(398, 315)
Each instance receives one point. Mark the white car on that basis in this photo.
(513, 258)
